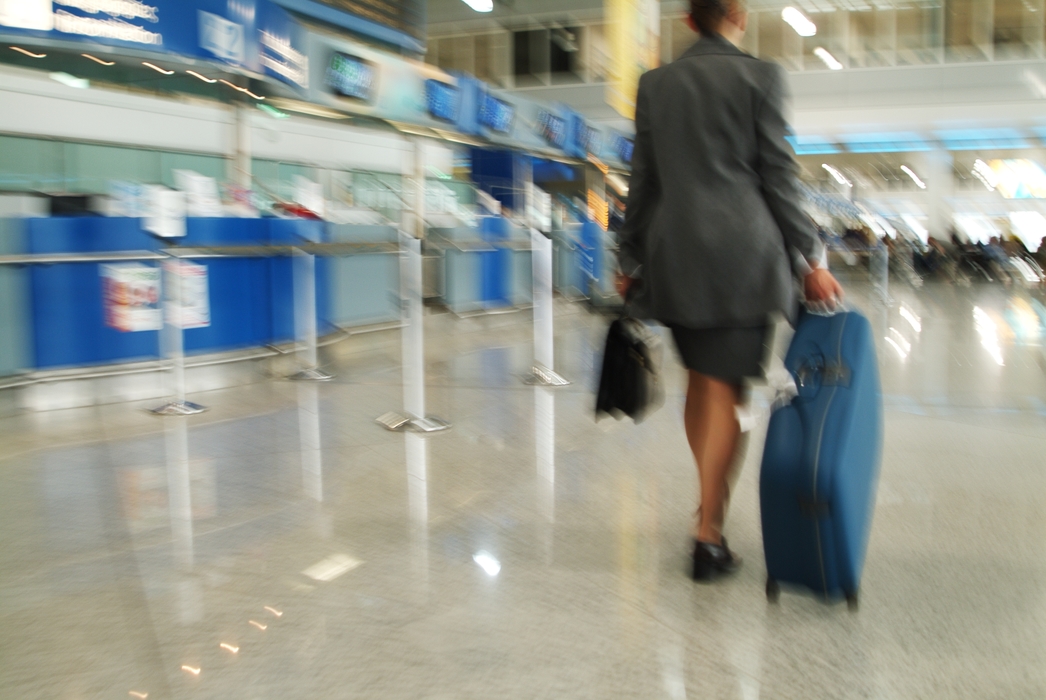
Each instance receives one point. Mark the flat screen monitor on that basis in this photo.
(496, 114)
(587, 138)
(552, 128)
(443, 100)
(623, 148)
(351, 76)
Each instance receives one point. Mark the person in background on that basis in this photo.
(711, 224)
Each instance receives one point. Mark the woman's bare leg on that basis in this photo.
(712, 430)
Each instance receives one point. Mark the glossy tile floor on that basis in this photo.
(285, 546)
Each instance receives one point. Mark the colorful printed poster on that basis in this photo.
(131, 294)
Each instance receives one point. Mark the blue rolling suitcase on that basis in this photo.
(821, 462)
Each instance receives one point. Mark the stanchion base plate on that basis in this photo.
(178, 408)
(311, 375)
(397, 422)
(543, 376)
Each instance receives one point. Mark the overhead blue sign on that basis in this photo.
(255, 35)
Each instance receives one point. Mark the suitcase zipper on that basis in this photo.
(817, 459)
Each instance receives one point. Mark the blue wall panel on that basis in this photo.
(69, 320)
(241, 303)
(68, 315)
(495, 265)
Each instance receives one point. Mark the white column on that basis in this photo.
(240, 164)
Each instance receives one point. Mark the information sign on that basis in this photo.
(131, 295)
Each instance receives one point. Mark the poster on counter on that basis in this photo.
(165, 211)
(194, 307)
(131, 294)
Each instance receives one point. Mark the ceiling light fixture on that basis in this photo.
(157, 68)
(28, 53)
(828, 59)
(98, 60)
(798, 21)
(839, 177)
(915, 178)
(983, 172)
(204, 78)
(480, 5)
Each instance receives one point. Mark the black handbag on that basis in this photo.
(630, 382)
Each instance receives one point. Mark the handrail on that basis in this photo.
(198, 252)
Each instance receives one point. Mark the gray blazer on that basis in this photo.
(714, 204)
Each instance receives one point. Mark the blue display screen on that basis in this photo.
(496, 114)
(587, 138)
(624, 147)
(443, 100)
(351, 76)
(552, 128)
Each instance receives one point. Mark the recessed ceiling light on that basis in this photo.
(915, 178)
(28, 53)
(157, 68)
(798, 21)
(480, 5)
(98, 60)
(828, 59)
(204, 78)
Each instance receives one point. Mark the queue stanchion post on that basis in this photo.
(543, 371)
(172, 341)
(413, 418)
(304, 281)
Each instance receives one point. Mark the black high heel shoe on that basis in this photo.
(713, 560)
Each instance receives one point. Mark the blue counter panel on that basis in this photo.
(241, 299)
(69, 320)
(294, 231)
(363, 289)
(495, 265)
(251, 299)
(208, 232)
(86, 234)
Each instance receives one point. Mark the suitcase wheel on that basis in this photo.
(773, 591)
(852, 602)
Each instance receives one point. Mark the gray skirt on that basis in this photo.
(730, 354)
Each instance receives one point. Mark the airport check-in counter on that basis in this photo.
(53, 323)
(484, 268)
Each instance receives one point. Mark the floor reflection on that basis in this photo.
(179, 489)
(311, 446)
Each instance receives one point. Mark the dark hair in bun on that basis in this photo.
(707, 15)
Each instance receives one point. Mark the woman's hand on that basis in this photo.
(623, 283)
(821, 287)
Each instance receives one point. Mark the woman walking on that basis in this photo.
(712, 235)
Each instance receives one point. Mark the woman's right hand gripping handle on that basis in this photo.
(822, 289)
